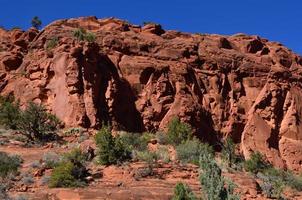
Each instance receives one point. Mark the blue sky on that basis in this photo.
(277, 20)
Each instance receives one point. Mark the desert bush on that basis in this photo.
(143, 172)
(190, 151)
(163, 154)
(183, 192)
(293, 181)
(256, 163)
(64, 175)
(51, 159)
(9, 112)
(271, 186)
(79, 34)
(76, 155)
(9, 164)
(35, 164)
(90, 37)
(82, 35)
(134, 141)
(73, 131)
(110, 150)
(214, 185)
(285, 178)
(146, 156)
(27, 179)
(52, 43)
(3, 192)
(70, 171)
(162, 138)
(37, 124)
(45, 180)
(178, 132)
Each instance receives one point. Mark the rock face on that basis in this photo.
(138, 78)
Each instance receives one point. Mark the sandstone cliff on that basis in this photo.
(138, 78)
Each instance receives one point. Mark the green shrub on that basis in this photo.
(64, 176)
(190, 151)
(9, 112)
(214, 185)
(75, 156)
(256, 163)
(146, 156)
(82, 35)
(52, 43)
(178, 132)
(228, 152)
(134, 141)
(79, 34)
(293, 181)
(37, 124)
(90, 37)
(183, 192)
(9, 164)
(70, 171)
(110, 150)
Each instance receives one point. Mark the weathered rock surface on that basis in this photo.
(138, 78)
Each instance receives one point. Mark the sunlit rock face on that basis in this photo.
(138, 78)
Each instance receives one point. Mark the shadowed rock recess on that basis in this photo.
(138, 78)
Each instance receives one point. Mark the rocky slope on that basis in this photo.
(138, 78)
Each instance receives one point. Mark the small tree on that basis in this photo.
(37, 124)
(228, 152)
(214, 185)
(36, 22)
(183, 192)
(9, 112)
(178, 132)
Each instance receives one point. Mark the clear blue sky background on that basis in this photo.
(277, 20)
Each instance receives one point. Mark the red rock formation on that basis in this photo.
(138, 78)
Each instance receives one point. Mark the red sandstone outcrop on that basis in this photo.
(138, 78)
